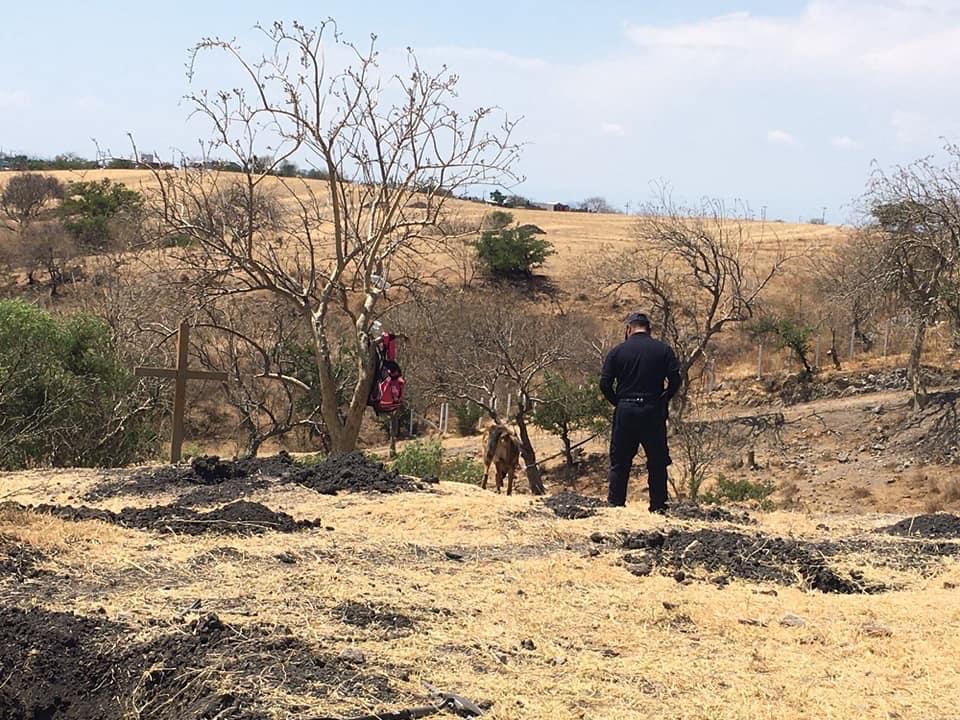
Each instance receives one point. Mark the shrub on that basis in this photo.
(462, 470)
(420, 459)
(512, 251)
(65, 397)
(498, 220)
(89, 207)
(739, 490)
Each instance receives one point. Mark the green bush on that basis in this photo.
(65, 397)
(420, 459)
(739, 490)
(462, 470)
(89, 207)
(512, 251)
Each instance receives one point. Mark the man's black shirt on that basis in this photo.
(637, 368)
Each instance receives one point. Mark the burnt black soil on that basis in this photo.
(209, 479)
(728, 554)
(934, 525)
(571, 506)
(354, 472)
(708, 513)
(366, 615)
(923, 556)
(59, 665)
(18, 561)
(237, 518)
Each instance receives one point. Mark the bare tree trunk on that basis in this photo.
(914, 372)
(567, 449)
(529, 456)
(253, 446)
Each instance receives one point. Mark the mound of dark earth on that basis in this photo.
(59, 665)
(708, 513)
(209, 479)
(237, 518)
(354, 472)
(728, 554)
(18, 561)
(934, 525)
(571, 506)
(364, 615)
(923, 556)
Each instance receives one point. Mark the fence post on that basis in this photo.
(411, 423)
(816, 355)
(444, 415)
(853, 337)
(759, 360)
(886, 338)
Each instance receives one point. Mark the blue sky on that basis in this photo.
(781, 104)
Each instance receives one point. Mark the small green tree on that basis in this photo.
(498, 197)
(512, 251)
(564, 407)
(90, 207)
(790, 334)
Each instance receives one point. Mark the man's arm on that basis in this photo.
(607, 376)
(673, 374)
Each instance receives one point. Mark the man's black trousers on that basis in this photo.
(638, 424)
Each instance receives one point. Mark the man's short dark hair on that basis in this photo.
(638, 319)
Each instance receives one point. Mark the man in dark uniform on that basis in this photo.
(639, 377)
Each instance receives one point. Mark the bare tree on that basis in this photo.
(394, 149)
(696, 274)
(912, 237)
(256, 342)
(597, 204)
(25, 197)
(479, 347)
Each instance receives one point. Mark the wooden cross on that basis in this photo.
(181, 374)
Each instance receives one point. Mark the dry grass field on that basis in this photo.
(501, 601)
(577, 237)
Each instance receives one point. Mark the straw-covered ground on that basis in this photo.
(272, 598)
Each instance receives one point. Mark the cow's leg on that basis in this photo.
(486, 472)
(499, 479)
(510, 480)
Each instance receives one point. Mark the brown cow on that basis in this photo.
(502, 448)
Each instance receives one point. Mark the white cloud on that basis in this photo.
(612, 128)
(14, 100)
(845, 142)
(780, 137)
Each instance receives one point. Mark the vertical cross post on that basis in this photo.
(180, 374)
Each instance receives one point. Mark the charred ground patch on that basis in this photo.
(18, 561)
(236, 518)
(60, 665)
(932, 525)
(209, 479)
(728, 554)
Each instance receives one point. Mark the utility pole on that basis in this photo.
(823, 216)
